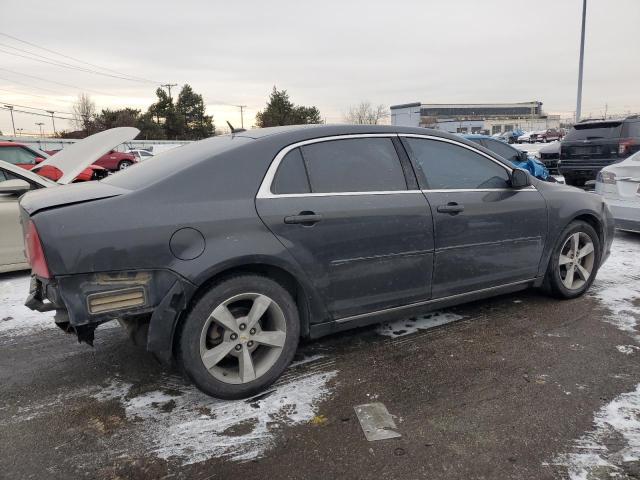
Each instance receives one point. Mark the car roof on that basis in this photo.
(322, 130)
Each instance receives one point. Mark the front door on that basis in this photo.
(487, 234)
(345, 211)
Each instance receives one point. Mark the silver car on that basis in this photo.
(619, 184)
(14, 181)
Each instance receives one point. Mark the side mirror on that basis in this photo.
(15, 187)
(520, 178)
(39, 160)
(523, 156)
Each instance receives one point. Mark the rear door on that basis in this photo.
(487, 234)
(349, 210)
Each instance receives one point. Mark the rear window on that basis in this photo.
(594, 131)
(165, 164)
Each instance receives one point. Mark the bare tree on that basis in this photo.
(366, 114)
(84, 112)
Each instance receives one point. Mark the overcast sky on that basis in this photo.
(326, 53)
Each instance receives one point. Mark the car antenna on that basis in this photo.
(235, 130)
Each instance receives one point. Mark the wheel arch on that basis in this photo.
(309, 306)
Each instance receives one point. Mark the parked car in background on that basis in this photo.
(593, 144)
(549, 155)
(274, 234)
(140, 154)
(511, 136)
(113, 160)
(15, 180)
(518, 158)
(524, 138)
(619, 184)
(548, 135)
(32, 159)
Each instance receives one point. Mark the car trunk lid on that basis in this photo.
(47, 198)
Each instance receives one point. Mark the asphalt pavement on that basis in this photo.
(506, 388)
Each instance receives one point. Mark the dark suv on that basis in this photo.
(224, 252)
(594, 144)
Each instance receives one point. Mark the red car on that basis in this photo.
(112, 160)
(27, 158)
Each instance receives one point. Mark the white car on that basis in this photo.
(14, 181)
(141, 154)
(619, 184)
(525, 138)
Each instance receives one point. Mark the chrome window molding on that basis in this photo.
(265, 187)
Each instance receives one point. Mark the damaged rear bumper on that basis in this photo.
(152, 299)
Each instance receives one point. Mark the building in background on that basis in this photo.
(487, 118)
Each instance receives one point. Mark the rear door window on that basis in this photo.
(353, 165)
(447, 166)
(595, 131)
(291, 176)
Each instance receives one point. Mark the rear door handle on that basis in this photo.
(303, 218)
(452, 208)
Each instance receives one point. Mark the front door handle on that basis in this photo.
(452, 208)
(306, 219)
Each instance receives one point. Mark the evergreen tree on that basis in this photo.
(281, 111)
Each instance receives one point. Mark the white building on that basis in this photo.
(487, 118)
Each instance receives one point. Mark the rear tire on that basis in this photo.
(574, 261)
(124, 164)
(239, 337)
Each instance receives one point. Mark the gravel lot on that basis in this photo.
(520, 386)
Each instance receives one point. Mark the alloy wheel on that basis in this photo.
(576, 260)
(243, 338)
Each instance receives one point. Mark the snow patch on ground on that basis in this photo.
(191, 427)
(15, 318)
(411, 325)
(615, 438)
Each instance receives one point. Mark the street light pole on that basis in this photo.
(10, 107)
(40, 124)
(53, 121)
(580, 68)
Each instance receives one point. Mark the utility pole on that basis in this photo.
(241, 107)
(168, 87)
(20, 131)
(53, 121)
(579, 101)
(40, 124)
(10, 107)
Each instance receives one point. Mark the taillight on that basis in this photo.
(606, 177)
(35, 253)
(624, 147)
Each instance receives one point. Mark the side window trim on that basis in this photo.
(265, 190)
(468, 147)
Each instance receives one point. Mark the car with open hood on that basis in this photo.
(30, 158)
(65, 168)
(223, 253)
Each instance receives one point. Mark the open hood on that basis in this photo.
(76, 157)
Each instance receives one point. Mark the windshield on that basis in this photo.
(596, 130)
(163, 165)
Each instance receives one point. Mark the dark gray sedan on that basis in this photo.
(223, 253)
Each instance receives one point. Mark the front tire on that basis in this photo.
(239, 337)
(574, 261)
(124, 164)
